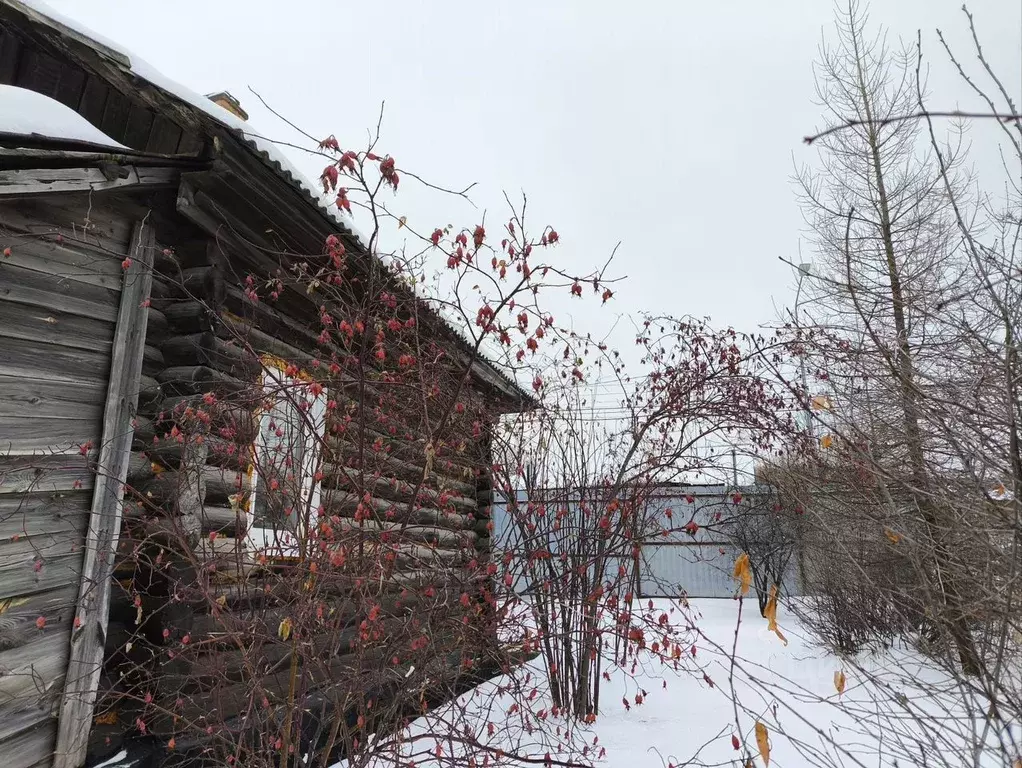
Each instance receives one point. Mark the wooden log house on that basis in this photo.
(122, 292)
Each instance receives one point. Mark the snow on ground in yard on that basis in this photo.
(791, 689)
(25, 112)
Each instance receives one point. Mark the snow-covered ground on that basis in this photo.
(880, 718)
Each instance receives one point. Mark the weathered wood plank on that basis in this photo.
(35, 672)
(24, 321)
(66, 260)
(83, 219)
(24, 436)
(28, 575)
(44, 181)
(49, 362)
(37, 398)
(13, 723)
(395, 489)
(93, 100)
(190, 144)
(72, 82)
(44, 474)
(10, 56)
(33, 742)
(39, 72)
(43, 545)
(115, 115)
(86, 654)
(204, 284)
(20, 625)
(164, 137)
(140, 123)
(42, 514)
(51, 291)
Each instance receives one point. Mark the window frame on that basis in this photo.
(283, 544)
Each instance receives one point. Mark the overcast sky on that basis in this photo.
(672, 127)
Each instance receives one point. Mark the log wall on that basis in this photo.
(188, 505)
(184, 566)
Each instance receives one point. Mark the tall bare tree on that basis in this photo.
(889, 260)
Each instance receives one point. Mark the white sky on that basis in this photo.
(672, 127)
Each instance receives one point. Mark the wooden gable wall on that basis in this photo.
(61, 276)
(33, 59)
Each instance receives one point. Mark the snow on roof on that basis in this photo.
(141, 68)
(271, 153)
(27, 113)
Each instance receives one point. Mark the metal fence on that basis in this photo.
(696, 570)
(699, 565)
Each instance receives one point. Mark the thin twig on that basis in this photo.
(1005, 118)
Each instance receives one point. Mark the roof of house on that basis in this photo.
(39, 13)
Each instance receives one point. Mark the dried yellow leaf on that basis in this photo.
(892, 537)
(743, 572)
(13, 602)
(821, 403)
(826, 441)
(770, 612)
(763, 742)
(284, 630)
(107, 718)
(402, 221)
(839, 682)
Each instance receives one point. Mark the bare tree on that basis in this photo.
(889, 257)
(577, 520)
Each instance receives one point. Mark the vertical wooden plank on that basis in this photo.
(72, 83)
(10, 56)
(115, 115)
(164, 137)
(93, 102)
(190, 144)
(89, 635)
(39, 73)
(140, 123)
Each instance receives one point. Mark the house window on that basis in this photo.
(286, 456)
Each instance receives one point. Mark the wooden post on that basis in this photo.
(89, 635)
